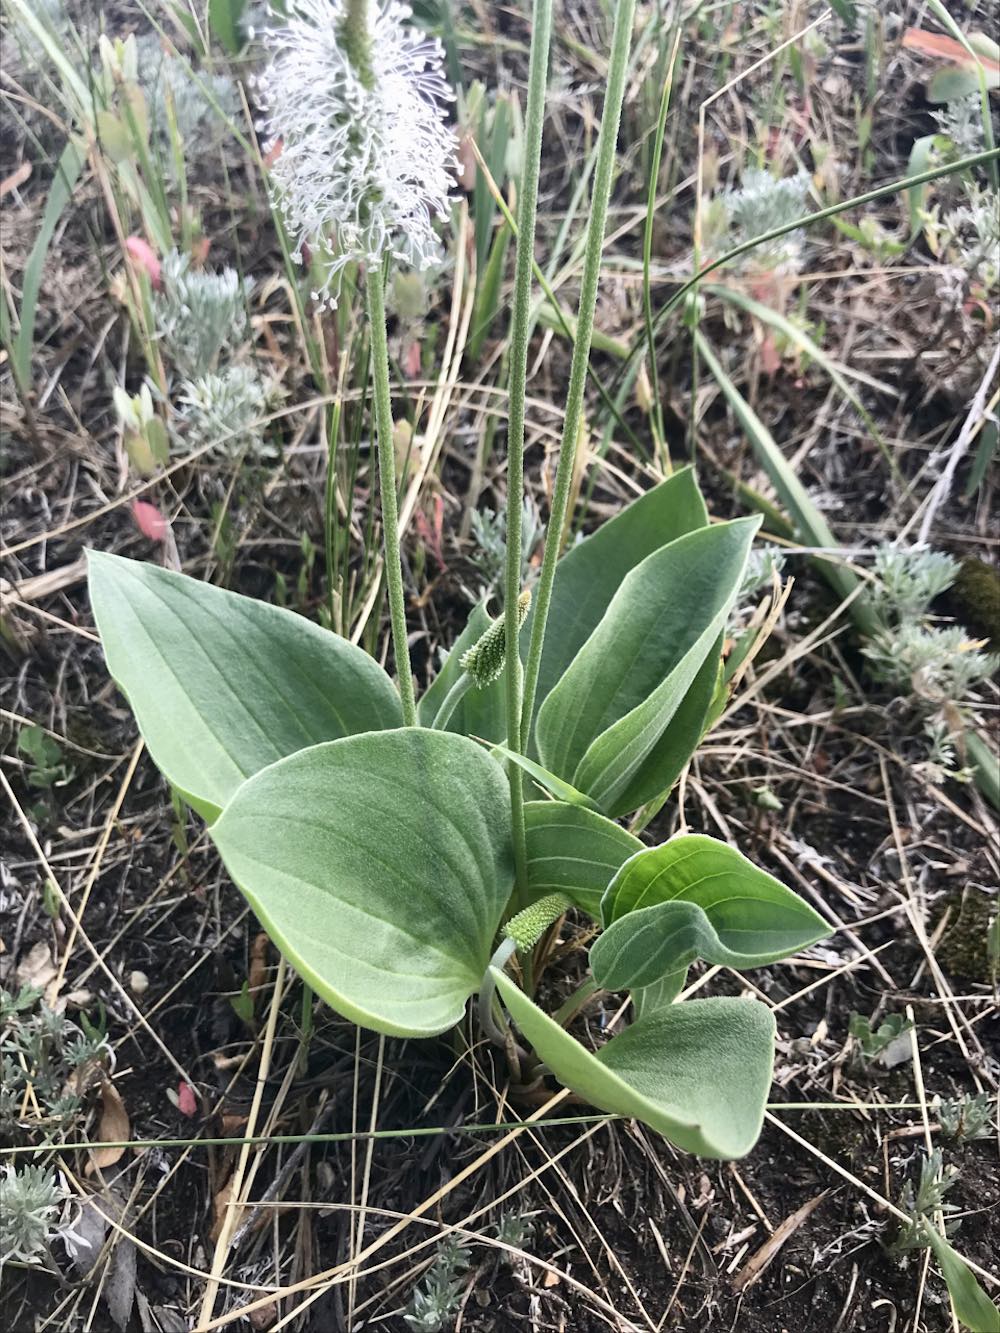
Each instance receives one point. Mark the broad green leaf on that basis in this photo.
(574, 851)
(973, 1307)
(380, 865)
(224, 20)
(921, 158)
(663, 766)
(954, 82)
(647, 999)
(587, 577)
(697, 1072)
(652, 943)
(752, 913)
(481, 713)
(590, 573)
(606, 726)
(222, 685)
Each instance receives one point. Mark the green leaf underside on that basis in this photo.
(698, 1072)
(224, 685)
(694, 897)
(750, 909)
(604, 727)
(380, 865)
(972, 1305)
(574, 851)
(647, 1000)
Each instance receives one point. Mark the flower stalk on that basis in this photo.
(541, 35)
(603, 176)
(375, 292)
(357, 42)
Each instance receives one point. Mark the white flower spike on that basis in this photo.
(364, 156)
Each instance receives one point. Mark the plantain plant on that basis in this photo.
(386, 843)
(380, 857)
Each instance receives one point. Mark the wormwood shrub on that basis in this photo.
(381, 859)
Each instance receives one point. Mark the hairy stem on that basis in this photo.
(451, 700)
(387, 488)
(604, 173)
(656, 416)
(527, 206)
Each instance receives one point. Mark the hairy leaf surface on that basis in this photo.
(606, 726)
(697, 1072)
(223, 685)
(574, 851)
(694, 897)
(380, 865)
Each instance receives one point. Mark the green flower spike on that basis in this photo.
(484, 661)
(527, 927)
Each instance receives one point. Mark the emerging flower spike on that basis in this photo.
(484, 661)
(363, 158)
(528, 926)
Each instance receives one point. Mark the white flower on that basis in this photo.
(362, 164)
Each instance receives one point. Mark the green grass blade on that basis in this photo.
(810, 524)
(816, 353)
(488, 295)
(986, 767)
(972, 1306)
(67, 174)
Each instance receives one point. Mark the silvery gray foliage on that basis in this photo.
(31, 1204)
(923, 1202)
(489, 534)
(201, 101)
(962, 122)
(762, 203)
(41, 1048)
(938, 665)
(436, 1300)
(199, 315)
(764, 562)
(974, 231)
(29, 58)
(935, 667)
(227, 408)
(907, 579)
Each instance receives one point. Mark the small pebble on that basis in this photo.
(138, 983)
